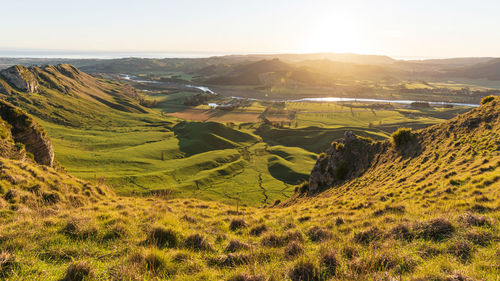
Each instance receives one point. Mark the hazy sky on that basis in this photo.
(421, 28)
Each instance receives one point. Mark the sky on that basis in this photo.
(423, 28)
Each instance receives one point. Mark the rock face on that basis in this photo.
(21, 78)
(344, 160)
(26, 131)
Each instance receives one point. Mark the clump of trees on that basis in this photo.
(196, 100)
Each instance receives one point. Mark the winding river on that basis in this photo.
(322, 99)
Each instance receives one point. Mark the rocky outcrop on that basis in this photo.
(25, 130)
(344, 160)
(21, 78)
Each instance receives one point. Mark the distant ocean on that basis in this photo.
(101, 55)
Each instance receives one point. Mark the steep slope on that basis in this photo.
(420, 154)
(26, 176)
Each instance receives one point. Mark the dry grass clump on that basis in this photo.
(435, 229)
(367, 236)
(163, 237)
(474, 220)
(153, 261)
(237, 223)
(82, 228)
(273, 240)
(316, 234)
(197, 242)
(480, 237)
(304, 271)
(258, 230)
(116, 231)
(329, 262)
(78, 271)
(8, 262)
(235, 245)
(294, 249)
(230, 260)
(247, 277)
(462, 249)
(402, 231)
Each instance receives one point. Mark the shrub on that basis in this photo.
(435, 229)
(487, 99)
(163, 237)
(402, 136)
(237, 224)
(304, 271)
(293, 249)
(258, 230)
(197, 242)
(317, 234)
(78, 271)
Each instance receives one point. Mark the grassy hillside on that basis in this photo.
(426, 209)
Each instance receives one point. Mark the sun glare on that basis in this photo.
(338, 31)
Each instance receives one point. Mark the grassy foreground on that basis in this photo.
(433, 215)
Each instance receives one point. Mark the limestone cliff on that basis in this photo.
(25, 130)
(21, 78)
(344, 160)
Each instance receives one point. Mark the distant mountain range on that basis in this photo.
(308, 68)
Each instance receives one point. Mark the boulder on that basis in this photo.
(344, 160)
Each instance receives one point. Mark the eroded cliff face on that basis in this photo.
(25, 130)
(344, 160)
(21, 78)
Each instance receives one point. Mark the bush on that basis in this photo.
(78, 271)
(487, 99)
(163, 238)
(402, 136)
(304, 271)
(197, 242)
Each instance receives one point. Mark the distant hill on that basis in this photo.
(489, 69)
(65, 95)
